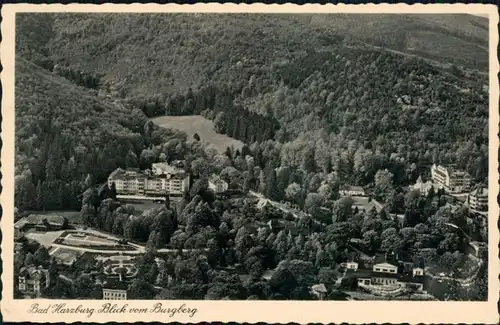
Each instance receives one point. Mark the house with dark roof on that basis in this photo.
(33, 279)
(41, 222)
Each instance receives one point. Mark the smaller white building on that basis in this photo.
(418, 271)
(385, 268)
(351, 265)
(423, 187)
(217, 184)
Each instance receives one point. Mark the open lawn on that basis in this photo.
(362, 203)
(192, 124)
(91, 239)
(140, 206)
(78, 242)
(44, 238)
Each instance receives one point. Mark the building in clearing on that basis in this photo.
(478, 199)
(423, 187)
(449, 179)
(352, 191)
(33, 279)
(217, 184)
(163, 179)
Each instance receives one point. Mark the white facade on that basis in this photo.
(351, 265)
(478, 199)
(418, 271)
(422, 187)
(114, 294)
(165, 179)
(452, 181)
(385, 268)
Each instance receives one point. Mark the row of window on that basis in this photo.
(114, 295)
(385, 270)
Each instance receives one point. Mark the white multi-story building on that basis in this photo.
(163, 179)
(478, 199)
(449, 179)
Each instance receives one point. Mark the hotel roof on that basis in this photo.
(34, 219)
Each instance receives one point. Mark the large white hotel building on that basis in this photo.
(160, 180)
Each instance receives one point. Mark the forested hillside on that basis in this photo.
(319, 93)
(67, 139)
(148, 55)
(321, 102)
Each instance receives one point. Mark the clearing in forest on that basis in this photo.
(191, 124)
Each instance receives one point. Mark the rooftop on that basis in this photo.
(33, 272)
(165, 168)
(113, 284)
(132, 174)
(319, 288)
(34, 219)
(403, 277)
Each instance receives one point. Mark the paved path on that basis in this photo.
(141, 250)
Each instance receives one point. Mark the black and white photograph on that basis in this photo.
(251, 156)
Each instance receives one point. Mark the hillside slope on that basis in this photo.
(65, 133)
(147, 55)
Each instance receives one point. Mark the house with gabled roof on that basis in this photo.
(33, 279)
(41, 222)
